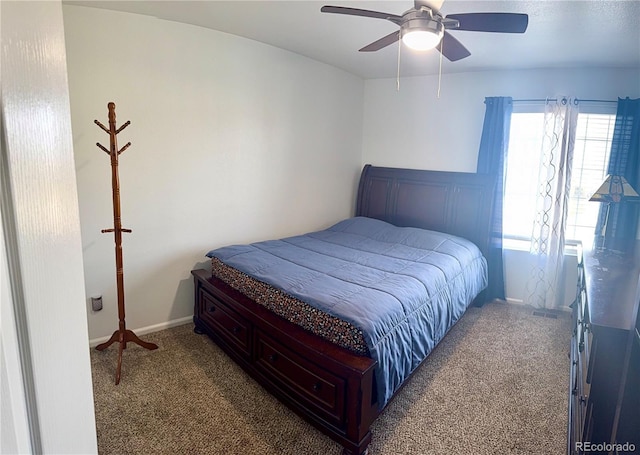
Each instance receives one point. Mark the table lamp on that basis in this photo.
(614, 189)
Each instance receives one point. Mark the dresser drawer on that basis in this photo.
(575, 414)
(583, 342)
(225, 322)
(585, 362)
(301, 379)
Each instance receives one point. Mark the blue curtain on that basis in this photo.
(624, 160)
(492, 159)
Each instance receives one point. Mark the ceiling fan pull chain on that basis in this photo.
(398, 73)
(440, 68)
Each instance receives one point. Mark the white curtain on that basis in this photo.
(547, 241)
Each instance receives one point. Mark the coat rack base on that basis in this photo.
(123, 336)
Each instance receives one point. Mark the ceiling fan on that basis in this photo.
(423, 27)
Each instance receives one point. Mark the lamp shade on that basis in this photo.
(615, 188)
(421, 40)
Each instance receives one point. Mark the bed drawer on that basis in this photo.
(228, 324)
(301, 379)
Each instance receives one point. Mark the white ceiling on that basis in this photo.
(560, 34)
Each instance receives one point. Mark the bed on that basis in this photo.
(335, 322)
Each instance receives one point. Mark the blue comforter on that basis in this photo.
(403, 287)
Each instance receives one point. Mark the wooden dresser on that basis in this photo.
(604, 395)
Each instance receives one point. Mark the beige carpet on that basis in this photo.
(497, 384)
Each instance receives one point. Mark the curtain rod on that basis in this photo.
(542, 100)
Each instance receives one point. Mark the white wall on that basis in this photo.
(232, 141)
(413, 128)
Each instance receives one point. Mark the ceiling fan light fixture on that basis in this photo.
(422, 34)
(421, 40)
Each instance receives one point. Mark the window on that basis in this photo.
(591, 156)
(590, 162)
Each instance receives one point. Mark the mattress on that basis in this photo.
(396, 290)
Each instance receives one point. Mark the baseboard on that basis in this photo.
(520, 302)
(149, 329)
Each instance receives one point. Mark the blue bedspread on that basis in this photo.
(403, 287)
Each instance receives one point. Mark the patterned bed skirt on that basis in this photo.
(331, 328)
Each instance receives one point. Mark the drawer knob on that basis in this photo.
(273, 357)
(211, 309)
(237, 329)
(316, 387)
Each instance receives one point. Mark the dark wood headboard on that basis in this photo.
(458, 203)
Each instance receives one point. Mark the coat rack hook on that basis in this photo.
(106, 130)
(126, 124)
(126, 146)
(104, 149)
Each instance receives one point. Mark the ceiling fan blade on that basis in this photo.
(492, 22)
(382, 42)
(361, 12)
(452, 48)
(434, 5)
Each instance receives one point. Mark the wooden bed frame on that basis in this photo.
(329, 386)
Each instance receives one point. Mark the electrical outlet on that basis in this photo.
(96, 302)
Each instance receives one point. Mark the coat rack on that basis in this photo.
(122, 335)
